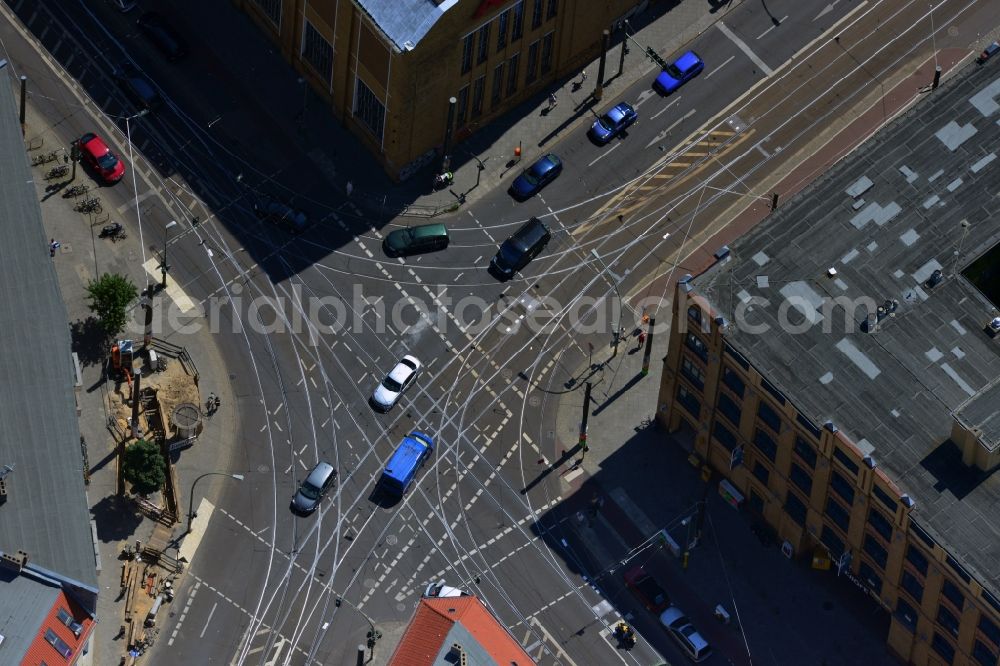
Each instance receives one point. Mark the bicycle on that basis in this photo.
(76, 191)
(57, 172)
(39, 160)
(92, 205)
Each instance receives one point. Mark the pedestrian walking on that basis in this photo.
(217, 403)
(583, 77)
(210, 404)
(53, 246)
(552, 101)
(349, 188)
(641, 339)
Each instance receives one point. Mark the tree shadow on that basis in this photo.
(116, 519)
(89, 341)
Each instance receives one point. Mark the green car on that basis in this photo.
(415, 240)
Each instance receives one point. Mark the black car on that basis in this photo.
(137, 86)
(281, 215)
(414, 240)
(164, 37)
(517, 251)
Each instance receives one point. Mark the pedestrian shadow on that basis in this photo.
(619, 393)
(582, 108)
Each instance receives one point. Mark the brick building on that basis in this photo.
(840, 367)
(388, 67)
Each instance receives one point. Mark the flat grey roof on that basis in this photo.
(886, 218)
(46, 512)
(25, 601)
(406, 22)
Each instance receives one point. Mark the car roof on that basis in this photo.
(671, 615)
(320, 473)
(93, 143)
(687, 61)
(425, 230)
(531, 232)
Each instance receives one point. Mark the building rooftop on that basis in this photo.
(45, 513)
(406, 22)
(921, 196)
(440, 623)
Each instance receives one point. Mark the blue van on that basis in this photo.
(410, 455)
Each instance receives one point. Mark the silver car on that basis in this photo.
(313, 488)
(387, 393)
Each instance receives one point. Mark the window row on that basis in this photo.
(509, 24)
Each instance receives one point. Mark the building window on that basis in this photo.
(875, 550)
(833, 543)
(512, 74)
(845, 460)
(467, 44)
(801, 478)
(729, 409)
(693, 373)
(478, 91)
(503, 21)
(838, 514)
(738, 357)
(536, 14)
(484, 44)
(983, 655)
(497, 85)
(318, 52)
(765, 444)
(731, 379)
(64, 616)
(869, 576)
(766, 414)
(912, 585)
(795, 508)
(947, 620)
(59, 644)
(808, 425)
(547, 43)
(694, 314)
(906, 615)
(271, 9)
(773, 390)
(924, 536)
(842, 487)
(884, 498)
(989, 629)
(957, 568)
(805, 452)
(689, 401)
(756, 503)
(951, 592)
(368, 109)
(943, 647)
(517, 24)
(761, 471)
(694, 343)
(532, 72)
(724, 436)
(462, 109)
(553, 9)
(880, 523)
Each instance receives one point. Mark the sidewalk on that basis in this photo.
(246, 58)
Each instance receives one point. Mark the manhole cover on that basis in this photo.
(401, 607)
(534, 401)
(369, 583)
(391, 540)
(263, 469)
(953, 31)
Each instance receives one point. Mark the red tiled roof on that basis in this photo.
(40, 649)
(423, 639)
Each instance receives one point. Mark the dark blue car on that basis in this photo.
(613, 123)
(540, 174)
(683, 70)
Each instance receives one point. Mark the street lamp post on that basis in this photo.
(191, 511)
(164, 267)
(373, 634)
(615, 280)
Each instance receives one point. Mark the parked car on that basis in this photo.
(517, 251)
(313, 488)
(647, 590)
(282, 215)
(613, 123)
(137, 86)
(387, 393)
(414, 240)
(99, 157)
(695, 647)
(538, 175)
(163, 36)
(680, 72)
(441, 589)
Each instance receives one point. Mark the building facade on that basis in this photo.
(821, 492)
(387, 68)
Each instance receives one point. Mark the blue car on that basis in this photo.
(613, 123)
(540, 174)
(683, 70)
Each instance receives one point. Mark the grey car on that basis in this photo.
(312, 490)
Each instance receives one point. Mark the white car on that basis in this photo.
(441, 589)
(695, 647)
(399, 378)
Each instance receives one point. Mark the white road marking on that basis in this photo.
(191, 540)
(643, 96)
(676, 99)
(604, 154)
(773, 26)
(826, 10)
(716, 69)
(210, 614)
(176, 294)
(724, 29)
(663, 135)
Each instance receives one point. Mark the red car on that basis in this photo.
(97, 154)
(647, 590)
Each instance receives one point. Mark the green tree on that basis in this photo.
(110, 295)
(144, 467)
